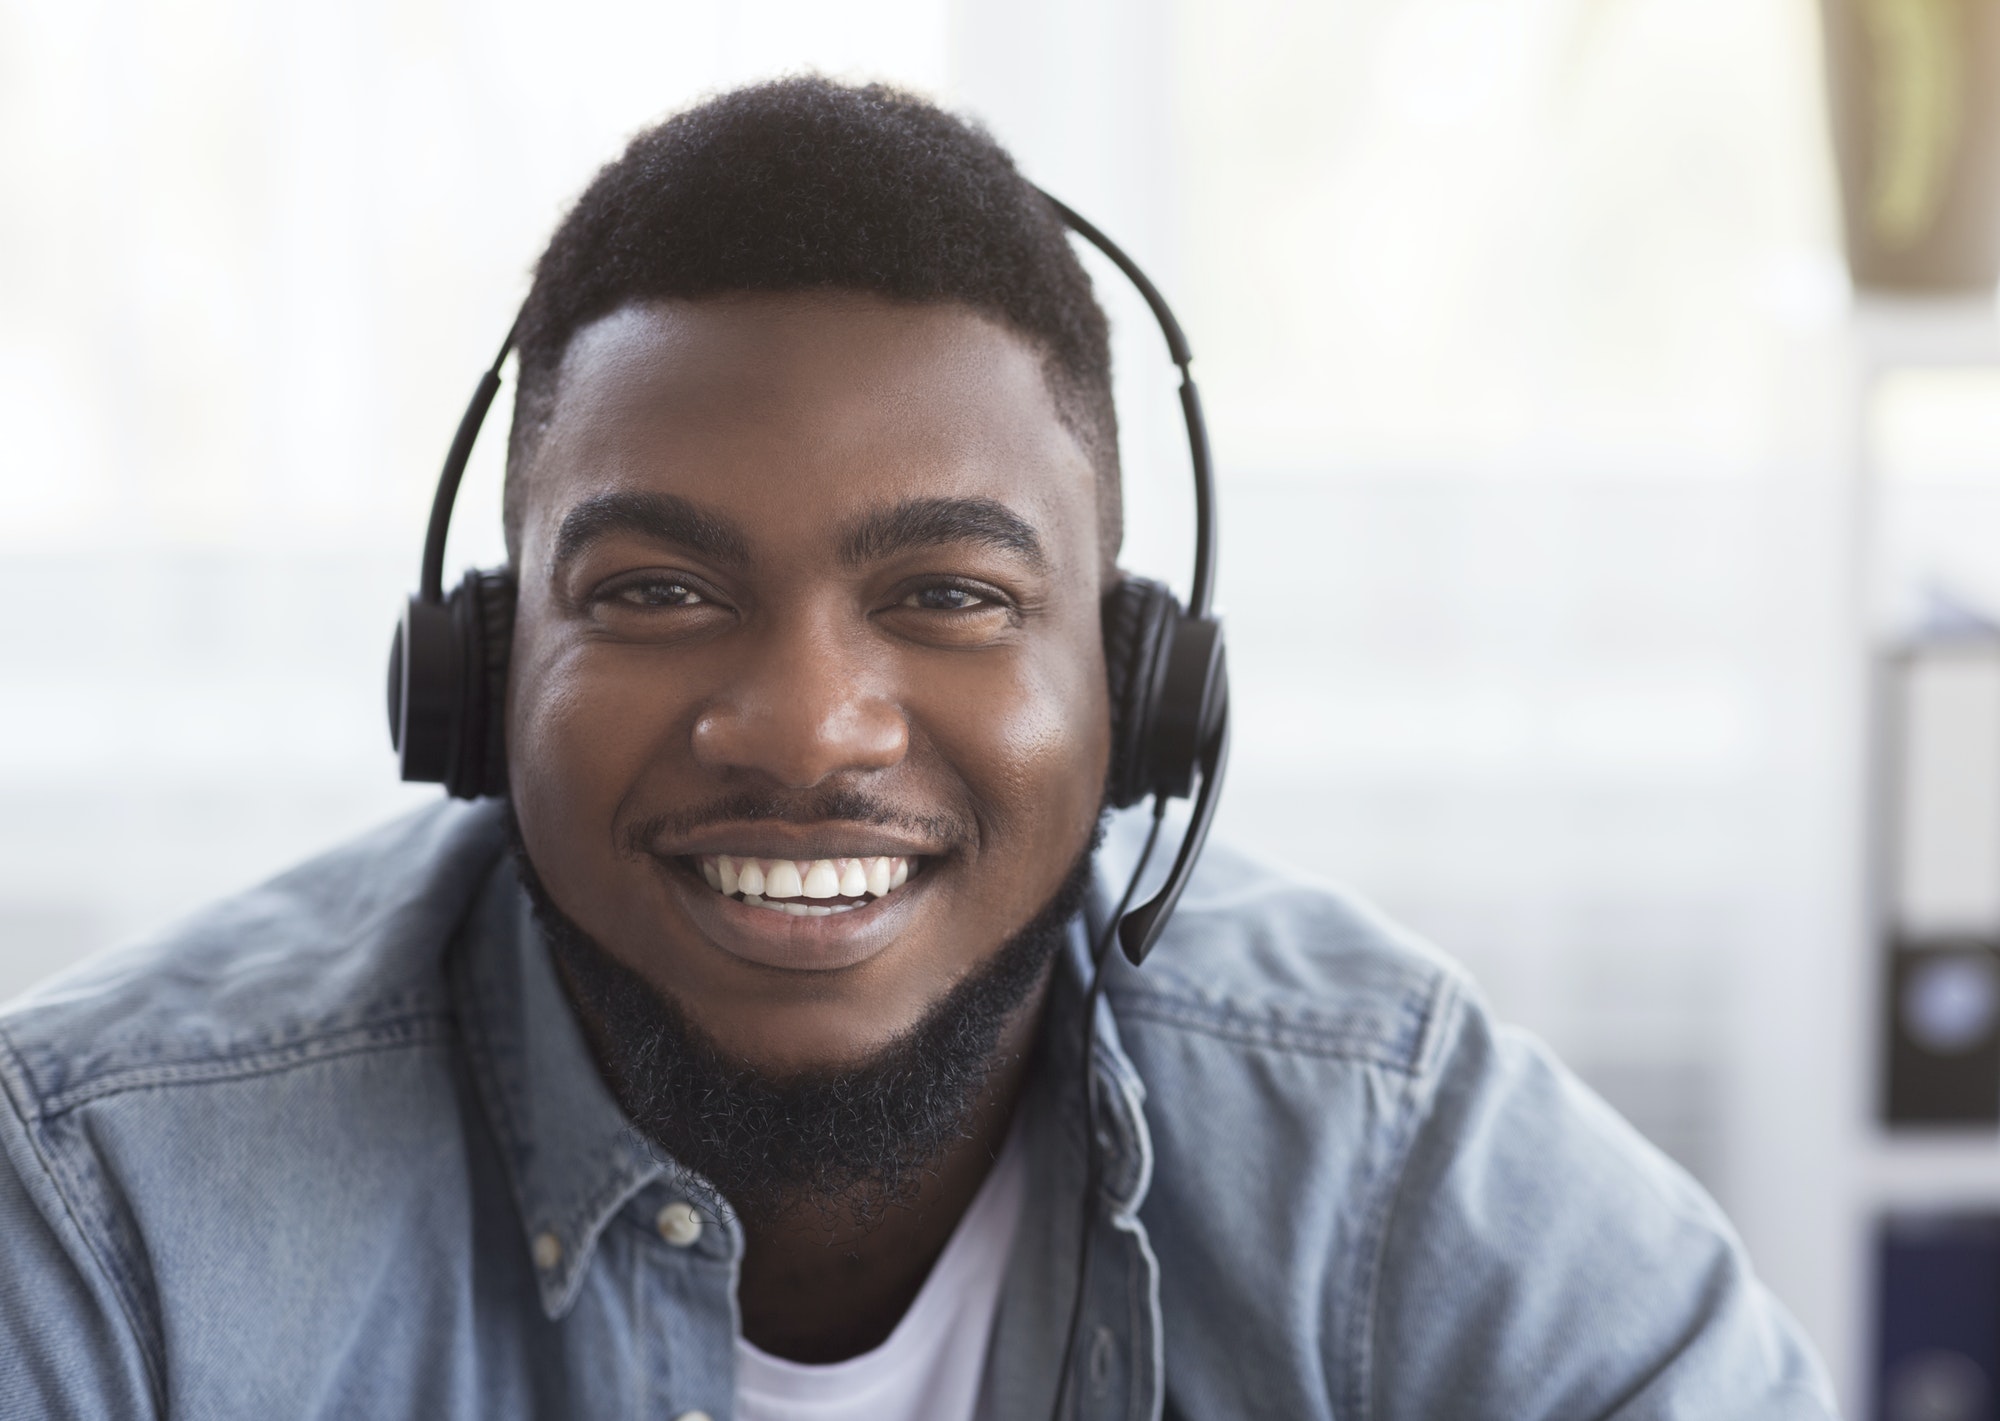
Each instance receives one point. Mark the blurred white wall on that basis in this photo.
(1522, 328)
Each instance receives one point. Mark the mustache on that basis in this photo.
(811, 807)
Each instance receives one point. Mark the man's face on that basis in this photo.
(806, 577)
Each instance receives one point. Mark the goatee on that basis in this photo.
(850, 1142)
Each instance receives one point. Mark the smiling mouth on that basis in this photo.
(805, 888)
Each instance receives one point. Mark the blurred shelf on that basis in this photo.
(1900, 332)
(1932, 1169)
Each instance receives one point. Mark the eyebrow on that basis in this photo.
(658, 517)
(930, 522)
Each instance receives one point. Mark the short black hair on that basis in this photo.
(804, 184)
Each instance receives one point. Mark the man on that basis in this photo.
(732, 1064)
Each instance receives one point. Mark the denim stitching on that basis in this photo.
(378, 1036)
(68, 1190)
(1400, 1054)
(1445, 1006)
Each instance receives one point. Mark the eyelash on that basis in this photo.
(631, 593)
(985, 597)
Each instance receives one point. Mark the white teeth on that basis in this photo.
(764, 881)
(782, 880)
(797, 910)
(818, 910)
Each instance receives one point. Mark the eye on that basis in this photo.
(946, 598)
(952, 612)
(654, 606)
(657, 592)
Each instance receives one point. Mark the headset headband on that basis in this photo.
(1200, 594)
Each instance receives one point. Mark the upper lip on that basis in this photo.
(796, 841)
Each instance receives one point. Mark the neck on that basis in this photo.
(820, 1283)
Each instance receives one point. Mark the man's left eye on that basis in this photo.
(945, 599)
(660, 592)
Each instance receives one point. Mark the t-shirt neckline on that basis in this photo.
(974, 1257)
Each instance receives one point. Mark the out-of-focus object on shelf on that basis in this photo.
(1938, 1317)
(1943, 723)
(1939, 720)
(1944, 1034)
(1914, 87)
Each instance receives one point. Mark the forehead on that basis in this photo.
(846, 401)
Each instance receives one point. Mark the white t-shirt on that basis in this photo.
(929, 1367)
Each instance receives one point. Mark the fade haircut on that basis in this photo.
(807, 185)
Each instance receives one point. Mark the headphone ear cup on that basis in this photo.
(482, 615)
(1138, 616)
(424, 690)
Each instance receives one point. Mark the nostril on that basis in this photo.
(796, 746)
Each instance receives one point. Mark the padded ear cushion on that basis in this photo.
(483, 612)
(1139, 615)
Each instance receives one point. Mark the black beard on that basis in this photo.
(848, 1142)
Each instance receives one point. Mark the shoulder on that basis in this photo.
(176, 1116)
(1539, 1251)
(343, 948)
(1333, 1105)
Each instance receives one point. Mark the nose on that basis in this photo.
(804, 706)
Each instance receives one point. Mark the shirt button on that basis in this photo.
(680, 1226)
(548, 1251)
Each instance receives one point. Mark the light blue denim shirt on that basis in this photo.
(337, 1149)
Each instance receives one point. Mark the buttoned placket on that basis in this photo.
(1118, 1362)
(685, 1289)
(622, 1246)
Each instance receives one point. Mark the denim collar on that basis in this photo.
(1124, 1146)
(572, 1157)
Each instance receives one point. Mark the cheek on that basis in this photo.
(581, 732)
(1031, 742)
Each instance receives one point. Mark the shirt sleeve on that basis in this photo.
(1541, 1260)
(66, 1347)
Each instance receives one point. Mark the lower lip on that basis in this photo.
(767, 937)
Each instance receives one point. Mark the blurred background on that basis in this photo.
(1597, 550)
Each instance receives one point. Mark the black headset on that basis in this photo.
(1168, 681)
